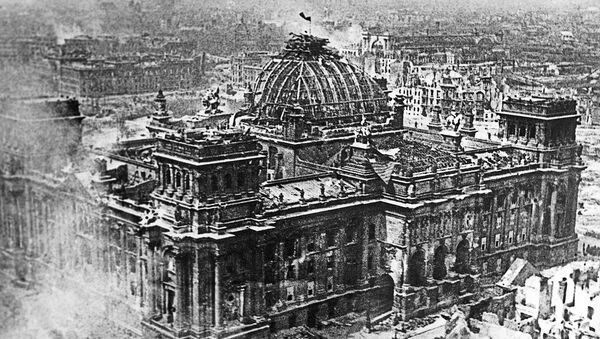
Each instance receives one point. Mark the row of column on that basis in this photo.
(533, 132)
(196, 305)
(193, 183)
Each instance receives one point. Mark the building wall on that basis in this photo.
(98, 80)
(60, 233)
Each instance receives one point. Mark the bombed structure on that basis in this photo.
(316, 203)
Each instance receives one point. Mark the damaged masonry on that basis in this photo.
(316, 202)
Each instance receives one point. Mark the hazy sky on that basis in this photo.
(438, 4)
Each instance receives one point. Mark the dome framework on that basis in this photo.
(310, 77)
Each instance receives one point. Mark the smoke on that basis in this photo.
(339, 38)
(63, 32)
(288, 17)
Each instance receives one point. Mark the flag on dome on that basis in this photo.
(303, 16)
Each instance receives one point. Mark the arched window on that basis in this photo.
(241, 180)
(167, 178)
(214, 185)
(439, 262)
(463, 259)
(178, 179)
(416, 268)
(228, 183)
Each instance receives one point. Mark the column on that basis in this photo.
(172, 176)
(259, 264)
(217, 263)
(574, 191)
(150, 306)
(553, 209)
(542, 209)
(141, 279)
(27, 225)
(194, 177)
(534, 221)
(161, 175)
(19, 223)
(407, 226)
(195, 304)
(159, 295)
(180, 308)
(405, 257)
(124, 258)
(242, 301)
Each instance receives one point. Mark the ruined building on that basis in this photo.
(322, 204)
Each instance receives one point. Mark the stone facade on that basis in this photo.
(96, 79)
(388, 219)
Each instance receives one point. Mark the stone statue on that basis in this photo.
(218, 214)
(411, 190)
(178, 215)
(259, 207)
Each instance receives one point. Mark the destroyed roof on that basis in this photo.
(418, 156)
(299, 190)
(310, 78)
(504, 158)
(517, 273)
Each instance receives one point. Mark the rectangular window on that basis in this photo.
(499, 220)
(310, 291)
(291, 272)
(510, 237)
(270, 252)
(350, 235)
(500, 202)
(330, 239)
(270, 298)
(270, 275)
(310, 247)
(483, 243)
(290, 248)
(370, 260)
(330, 284)
(497, 241)
(310, 266)
(290, 293)
(372, 232)
(330, 260)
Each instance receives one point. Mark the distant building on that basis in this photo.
(100, 78)
(109, 46)
(245, 68)
(321, 205)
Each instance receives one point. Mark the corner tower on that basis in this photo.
(544, 125)
(207, 179)
(543, 130)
